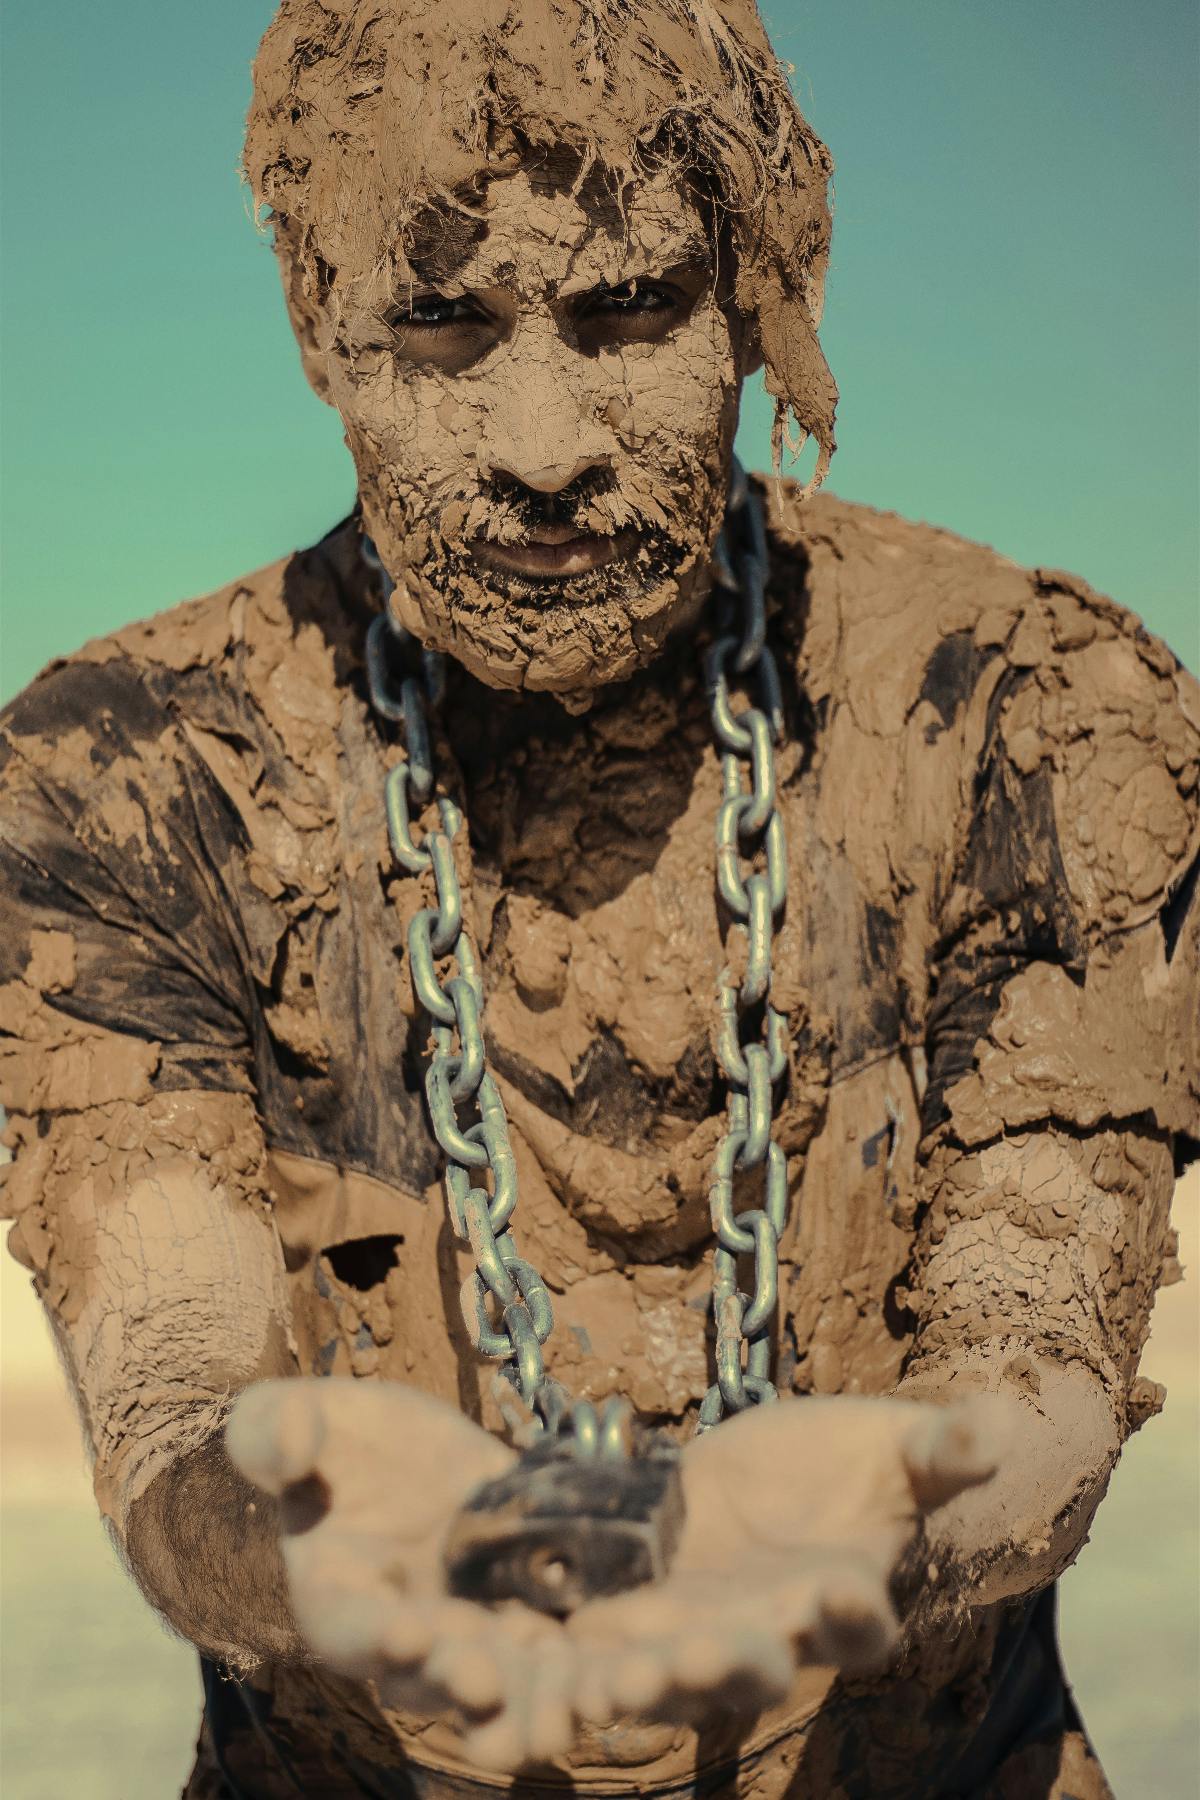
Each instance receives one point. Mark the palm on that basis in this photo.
(384, 1469)
(796, 1517)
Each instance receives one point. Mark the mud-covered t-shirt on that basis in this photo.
(989, 787)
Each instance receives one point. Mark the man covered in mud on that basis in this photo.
(892, 959)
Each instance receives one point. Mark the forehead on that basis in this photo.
(541, 235)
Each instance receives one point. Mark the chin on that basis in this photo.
(570, 637)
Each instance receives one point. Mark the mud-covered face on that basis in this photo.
(543, 436)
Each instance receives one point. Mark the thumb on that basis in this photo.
(953, 1447)
(275, 1433)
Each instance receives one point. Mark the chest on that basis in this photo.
(590, 890)
(605, 942)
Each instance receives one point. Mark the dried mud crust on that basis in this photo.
(988, 966)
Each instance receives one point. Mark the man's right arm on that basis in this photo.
(154, 1251)
(138, 1181)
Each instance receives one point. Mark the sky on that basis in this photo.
(1012, 308)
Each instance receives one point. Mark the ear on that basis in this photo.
(305, 320)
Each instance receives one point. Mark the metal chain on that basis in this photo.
(505, 1306)
(751, 1039)
(751, 1042)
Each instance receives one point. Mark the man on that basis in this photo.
(530, 259)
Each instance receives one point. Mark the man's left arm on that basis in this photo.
(1064, 1061)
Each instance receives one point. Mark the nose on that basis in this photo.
(544, 427)
(549, 478)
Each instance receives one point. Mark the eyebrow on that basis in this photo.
(699, 264)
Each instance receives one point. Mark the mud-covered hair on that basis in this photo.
(368, 113)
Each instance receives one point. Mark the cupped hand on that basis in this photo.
(369, 1476)
(798, 1514)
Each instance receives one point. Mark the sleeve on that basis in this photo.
(120, 962)
(137, 1179)
(1063, 1052)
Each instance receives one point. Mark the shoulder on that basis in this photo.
(235, 661)
(888, 611)
(893, 618)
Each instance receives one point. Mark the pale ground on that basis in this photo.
(98, 1703)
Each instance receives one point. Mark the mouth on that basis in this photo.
(554, 552)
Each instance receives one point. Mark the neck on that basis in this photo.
(500, 717)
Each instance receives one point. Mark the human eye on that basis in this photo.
(428, 312)
(630, 297)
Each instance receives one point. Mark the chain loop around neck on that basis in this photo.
(506, 1308)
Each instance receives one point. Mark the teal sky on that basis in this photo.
(1012, 311)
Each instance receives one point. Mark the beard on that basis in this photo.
(565, 633)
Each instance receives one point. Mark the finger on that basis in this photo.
(955, 1447)
(275, 1433)
(610, 1680)
(346, 1613)
(855, 1626)
(431, 1657)
(755, 1662)
(639, 1679)
(348, 1630)
(754, 1668)
(407, 1636)
(792, 1609)
(703, 1659)
(485, 1659)
(499, 1745)
(469, 1671)
(765, 1668)
(592, 1698)
(551, 1679)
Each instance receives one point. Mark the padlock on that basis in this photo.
(562, 1526)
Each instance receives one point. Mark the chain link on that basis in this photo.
(505, 1305)
(751, 1042)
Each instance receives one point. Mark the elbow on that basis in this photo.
(202, 1547)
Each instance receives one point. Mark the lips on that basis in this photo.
(554, 551)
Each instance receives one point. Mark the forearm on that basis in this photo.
(1037, 1265)
(164, 1281)
(1017, 1532)
(203, 1545)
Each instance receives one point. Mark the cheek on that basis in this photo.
(414, 430)
(681, 393)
